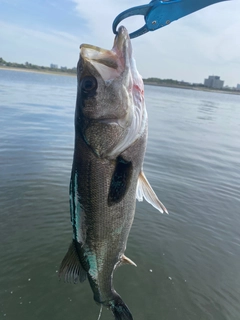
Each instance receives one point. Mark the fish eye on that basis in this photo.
(89, 83)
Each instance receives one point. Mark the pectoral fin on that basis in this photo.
(120, 182)
(144, 190)
(71, 268)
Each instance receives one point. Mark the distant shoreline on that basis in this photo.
(148, 83)
(60, 73)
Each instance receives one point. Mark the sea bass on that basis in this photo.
(107, 176)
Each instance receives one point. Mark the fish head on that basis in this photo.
(110, 110)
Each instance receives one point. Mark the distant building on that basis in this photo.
(214, 82)
(54, 66)
(63, 68)
(238, 87)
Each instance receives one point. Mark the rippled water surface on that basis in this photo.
(188, 261)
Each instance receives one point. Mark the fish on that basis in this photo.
(107, 177)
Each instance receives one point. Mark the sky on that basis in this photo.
(204, 43)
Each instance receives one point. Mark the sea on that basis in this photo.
(188, 262)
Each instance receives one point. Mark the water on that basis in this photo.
(188, 261)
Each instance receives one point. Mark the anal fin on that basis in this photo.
(71, 268)
(144, 190)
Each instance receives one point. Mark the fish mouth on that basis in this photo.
(109, 63)
(122, 43)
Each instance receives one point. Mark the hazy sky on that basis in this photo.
(204, 43)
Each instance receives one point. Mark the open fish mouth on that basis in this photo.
(109, 63)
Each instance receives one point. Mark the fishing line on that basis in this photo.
(100, 313)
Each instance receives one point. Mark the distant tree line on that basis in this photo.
(182, 84)
(31, 66)
(171, 82)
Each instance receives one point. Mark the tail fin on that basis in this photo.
(119, 309)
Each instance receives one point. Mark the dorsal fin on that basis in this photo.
(71, 268)
(144, 190)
